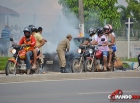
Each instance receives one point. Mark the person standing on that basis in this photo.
(6, 34)
(62, 48)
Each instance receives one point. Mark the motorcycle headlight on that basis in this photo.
(14, 51)
(79, 50)
(90, 51)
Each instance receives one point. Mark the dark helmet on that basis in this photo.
(92, 31)
(99, 31)
(32, 27)
(27, 29)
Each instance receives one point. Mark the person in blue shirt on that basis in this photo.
(6, 34)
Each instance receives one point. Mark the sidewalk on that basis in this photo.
(68, 76)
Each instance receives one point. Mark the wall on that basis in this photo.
(122, 48)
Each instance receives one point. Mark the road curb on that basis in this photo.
(59, 76)
(2, 71)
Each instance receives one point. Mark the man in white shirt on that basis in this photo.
(93, 36)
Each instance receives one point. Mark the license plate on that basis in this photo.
(49, 62)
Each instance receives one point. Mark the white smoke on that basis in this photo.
(48, 15)
(63, 27)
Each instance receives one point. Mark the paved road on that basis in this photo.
(67, 91)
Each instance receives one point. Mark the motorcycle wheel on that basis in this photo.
(10, 68)
(75, 68)
(87, 66)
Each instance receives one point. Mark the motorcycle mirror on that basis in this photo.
(103, 39)
(11, 39)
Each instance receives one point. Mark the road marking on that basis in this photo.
(70, 80)
(105, 92)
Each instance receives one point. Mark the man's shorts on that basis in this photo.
(105, 53)
(38, 51)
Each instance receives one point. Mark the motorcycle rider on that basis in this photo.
(111, 40)
(40, 30)
(39, 43)
(93, 36)
(29, 42)
(103, 45)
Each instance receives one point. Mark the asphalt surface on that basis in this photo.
(67, 91)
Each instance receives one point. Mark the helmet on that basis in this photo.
(27, 29)
(92, 31)
(99, 31)
(32, 27)
(107, 27)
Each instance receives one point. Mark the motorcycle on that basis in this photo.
(77, 64)
(16, 64)
(95, 61)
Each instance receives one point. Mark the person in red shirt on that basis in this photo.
(30, 43)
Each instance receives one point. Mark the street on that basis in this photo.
(67, 91)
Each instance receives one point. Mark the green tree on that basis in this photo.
(95, 11)
(133, 6)
(133, 11)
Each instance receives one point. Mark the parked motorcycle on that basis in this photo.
(16, 64)
(77, 64)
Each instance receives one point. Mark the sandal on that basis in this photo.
(33, 67)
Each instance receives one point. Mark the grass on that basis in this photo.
(130, 59)
(3, 61)
(125, 65)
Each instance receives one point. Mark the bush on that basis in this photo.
(3, 61)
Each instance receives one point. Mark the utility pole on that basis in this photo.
(128, 23)
(81, 18)
(128, 38)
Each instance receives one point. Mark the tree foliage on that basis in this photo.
(132, 10)
(133, 6)
(95, 11)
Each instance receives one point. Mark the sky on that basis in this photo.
(50, 7)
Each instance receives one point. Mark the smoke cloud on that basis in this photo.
(44, 13)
